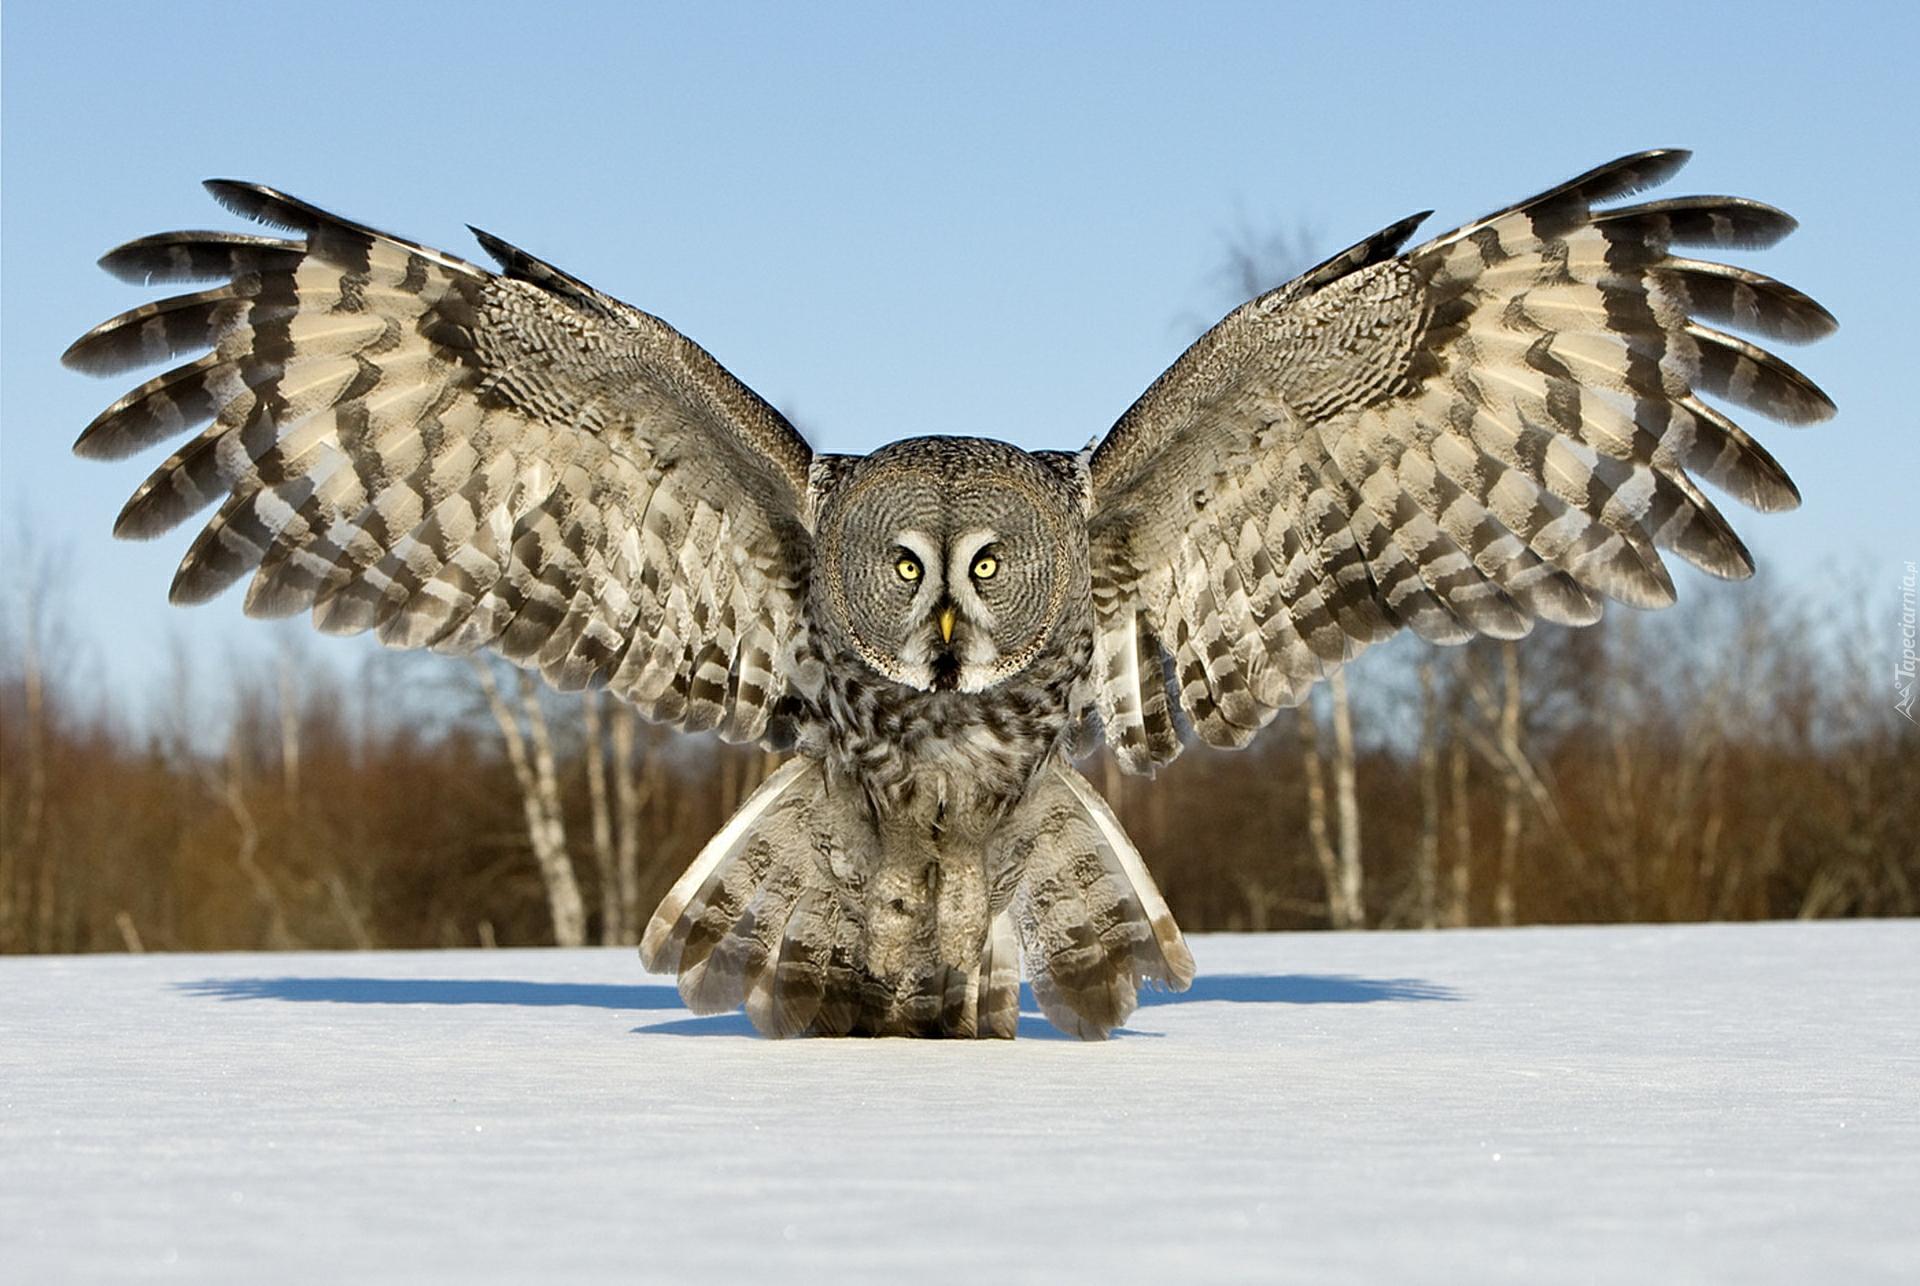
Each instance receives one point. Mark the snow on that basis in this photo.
(1673, 1104)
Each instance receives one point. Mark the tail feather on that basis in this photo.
(786, 991)
(1162, 956)
(799, 911)
(664, 944)
(728, 925)
(1093, 926)
(1077, 977)
(746, 955)
(997, 996)
(773, 915)
(847, 989)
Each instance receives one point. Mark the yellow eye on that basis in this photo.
(909, 568)
(985, 566)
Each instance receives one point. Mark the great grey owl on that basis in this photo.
(1501, 425)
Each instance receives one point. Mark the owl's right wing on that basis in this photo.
(406, 443)
(1501, 425)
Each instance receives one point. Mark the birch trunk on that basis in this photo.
(1317, 834)
(1511, 817)
(229, 788)
(603, 855)
(530, 754)
(630, 795)
(1346, 800)
(289, 729)
(1429, 759)
(40, 897)
(1460, 886)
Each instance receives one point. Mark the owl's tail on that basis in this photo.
(770, 916)
(1093, 926)
(793, 911)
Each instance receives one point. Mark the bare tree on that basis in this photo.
(1339, 866)
(20, 844)
(1429, 769)
(600, 811)
(227, 785)
(29, 868)
(348, 911)
(286, 668)
(1346, 799)
(1317, 833)
(631, 795)
(1507, 759)
(1460, 885)
(530, 752)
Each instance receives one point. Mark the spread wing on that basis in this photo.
(406, 443)
(1499, 426)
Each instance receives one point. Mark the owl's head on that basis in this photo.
(948, 563)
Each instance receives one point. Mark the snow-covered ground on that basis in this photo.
(1714, 1103)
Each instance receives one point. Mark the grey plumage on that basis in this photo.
(1496, 427)
(1502, 425)
(406, 443)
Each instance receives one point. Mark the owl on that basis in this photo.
(1502, 425)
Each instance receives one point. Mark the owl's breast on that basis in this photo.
(961, 758)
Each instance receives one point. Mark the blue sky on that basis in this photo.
(930, 219)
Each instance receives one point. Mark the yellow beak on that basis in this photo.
(946, 624)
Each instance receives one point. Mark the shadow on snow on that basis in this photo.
(1244, 989)
(1298, 989)
(440, 991)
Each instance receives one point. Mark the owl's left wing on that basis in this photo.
(1501, 425)
(406, 443)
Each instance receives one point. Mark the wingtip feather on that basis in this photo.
(261, 203)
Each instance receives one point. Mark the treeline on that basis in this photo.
(1734, 758)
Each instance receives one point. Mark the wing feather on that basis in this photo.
(402, 442)
(1501, 425)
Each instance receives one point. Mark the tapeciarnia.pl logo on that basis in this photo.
(1903, 669)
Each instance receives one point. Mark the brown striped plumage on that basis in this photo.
(1502, 425)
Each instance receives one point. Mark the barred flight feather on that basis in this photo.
(400, 441)
(1498, 426)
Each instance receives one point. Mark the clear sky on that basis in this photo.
(895, 220)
